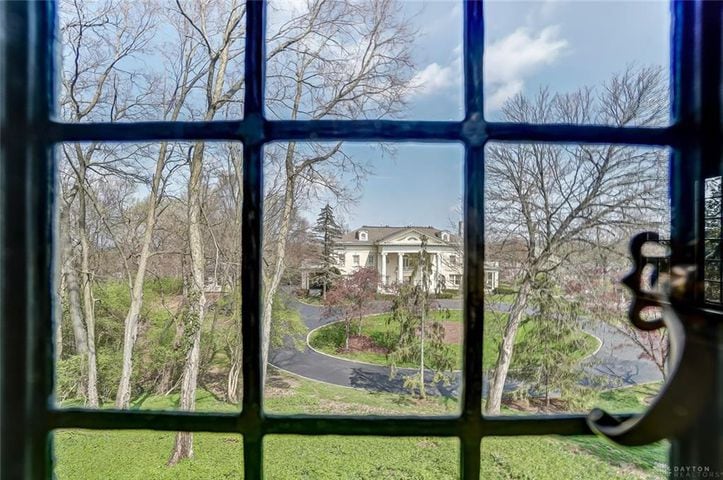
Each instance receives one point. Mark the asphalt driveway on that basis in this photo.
(618, 361)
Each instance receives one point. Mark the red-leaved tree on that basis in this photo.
(351, 298)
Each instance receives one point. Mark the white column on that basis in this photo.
(436, 270)
(384, 268)
(400, 267)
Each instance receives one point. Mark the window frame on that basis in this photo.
(27, 306)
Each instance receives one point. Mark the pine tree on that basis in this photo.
(421, 335)
(548, 358)
(327, 231)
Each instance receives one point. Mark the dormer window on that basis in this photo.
(362, 235)
(444, 236)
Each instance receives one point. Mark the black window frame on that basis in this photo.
(27, 198)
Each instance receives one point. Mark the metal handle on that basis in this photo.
(690, 363)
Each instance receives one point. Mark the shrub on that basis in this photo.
(333, 335)
(505, 289)
(69, 378)
(109, 371)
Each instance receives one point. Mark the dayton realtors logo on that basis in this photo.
(693, 472)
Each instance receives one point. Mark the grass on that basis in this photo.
(330, 339)
(505, 298)
(143, 454)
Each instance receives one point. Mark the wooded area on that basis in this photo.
(150, 234)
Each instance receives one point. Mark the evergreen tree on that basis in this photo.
(327, 231)
(548, 358)
(421, 335)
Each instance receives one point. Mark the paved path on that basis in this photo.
(617, 359)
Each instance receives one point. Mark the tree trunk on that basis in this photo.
(130, 334)
(80, 336)
(547, 392)
(272, 284)
(183, 447)
(168, 377)
(497, 383)
(422, 389)
(58, 321)
(233, 383)
(88, 308)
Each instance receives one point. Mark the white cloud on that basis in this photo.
(509, 60)
(457, 50)
(502, 93)
(434, 78)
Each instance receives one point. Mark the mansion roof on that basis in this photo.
(376, 234)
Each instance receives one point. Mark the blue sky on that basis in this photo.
(558, 44)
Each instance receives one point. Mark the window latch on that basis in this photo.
(691, 364)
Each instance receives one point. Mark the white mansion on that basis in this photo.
(393, 251)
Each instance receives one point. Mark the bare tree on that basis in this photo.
(607, 300)
(340, 60)
(70, 279)
(98, 38)
(552, 199)
(219, 29)
(183, 81)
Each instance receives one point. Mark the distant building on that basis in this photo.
(394, 252)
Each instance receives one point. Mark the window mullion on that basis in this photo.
(251, 238)
(697, 57)
(26, 207)
(473, 240)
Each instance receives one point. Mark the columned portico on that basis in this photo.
(389, 275)
(385, 248)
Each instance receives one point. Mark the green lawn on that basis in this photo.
(330, 339)
(143, 454)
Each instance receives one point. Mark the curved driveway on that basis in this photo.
(617, 360)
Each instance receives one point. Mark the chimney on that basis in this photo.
(460, 229)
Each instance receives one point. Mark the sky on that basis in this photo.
(560, 44)
(528, 45)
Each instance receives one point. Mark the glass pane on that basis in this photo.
(712, 271)
(588, 62)
(558, 220)
(713, 187)
(571, 457)
(149, 288)
(364, 241)
(355, 60)
(292, 457)
(712, 249)
(712, 228)
(151, 60)
(712, 292)
(712, 207)
(144, 454)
